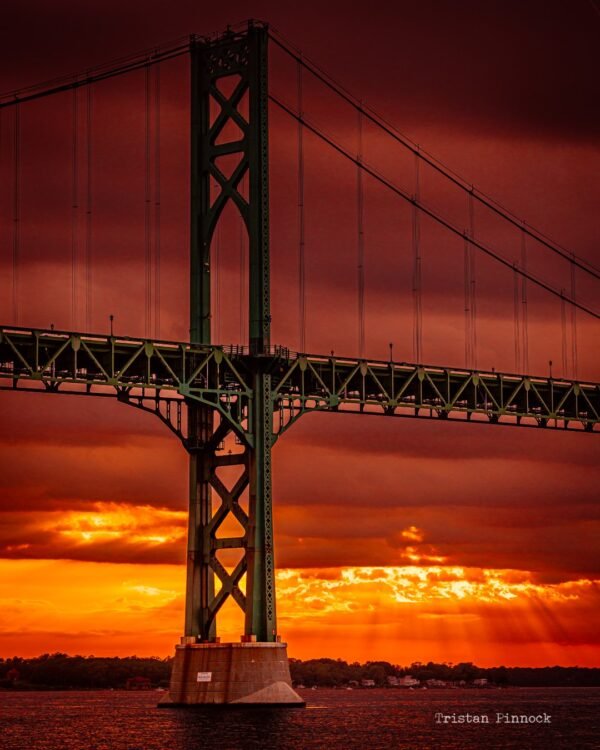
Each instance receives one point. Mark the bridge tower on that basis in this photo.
(225, 71)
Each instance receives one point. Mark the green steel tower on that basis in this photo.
(236, 63)
(243, 58)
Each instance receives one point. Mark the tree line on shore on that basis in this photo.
(338, 673)
(62, 672)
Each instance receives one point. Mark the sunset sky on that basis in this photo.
(395, 539)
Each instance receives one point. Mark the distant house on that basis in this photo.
(392, 681)
(138, 683)
(408, 681)
(480, 682)
(436, 683)
(367, 683)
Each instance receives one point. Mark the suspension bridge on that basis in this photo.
(229, 403)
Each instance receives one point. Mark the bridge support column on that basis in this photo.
(261, 617)
(243, 673)
(200, 580)
(254, 671)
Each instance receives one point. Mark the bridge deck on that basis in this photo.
(138, 369)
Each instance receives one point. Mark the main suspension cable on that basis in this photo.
(111, 69)
(436, 164)
(424, 208)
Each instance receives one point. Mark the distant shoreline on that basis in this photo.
(63, 672)
(303, 689)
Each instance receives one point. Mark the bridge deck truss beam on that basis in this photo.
(165, 376)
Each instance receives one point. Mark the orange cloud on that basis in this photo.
(489, 616)
(111, 521)
(103, 532)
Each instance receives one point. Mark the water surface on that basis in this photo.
(365, 719)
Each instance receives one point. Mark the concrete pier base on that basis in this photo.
(246, 673)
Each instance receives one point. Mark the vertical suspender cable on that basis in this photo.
(301, 225)
(1, 144)
(243, 235)
(217, 277)
(1, 162)
(574, 356)
(157, 196)
(473, 279)
(516, 315)
(563, 326)
(467, 292)
(74, 208)
(361, 241)
(416, 242)
(147, 203)
(524, 310)
(16, 211)
(88, 211)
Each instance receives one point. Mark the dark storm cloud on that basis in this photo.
(415, 438)
(505, 65)
(139, 471)
(484, 69)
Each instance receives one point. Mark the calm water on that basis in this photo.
(365, 719)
